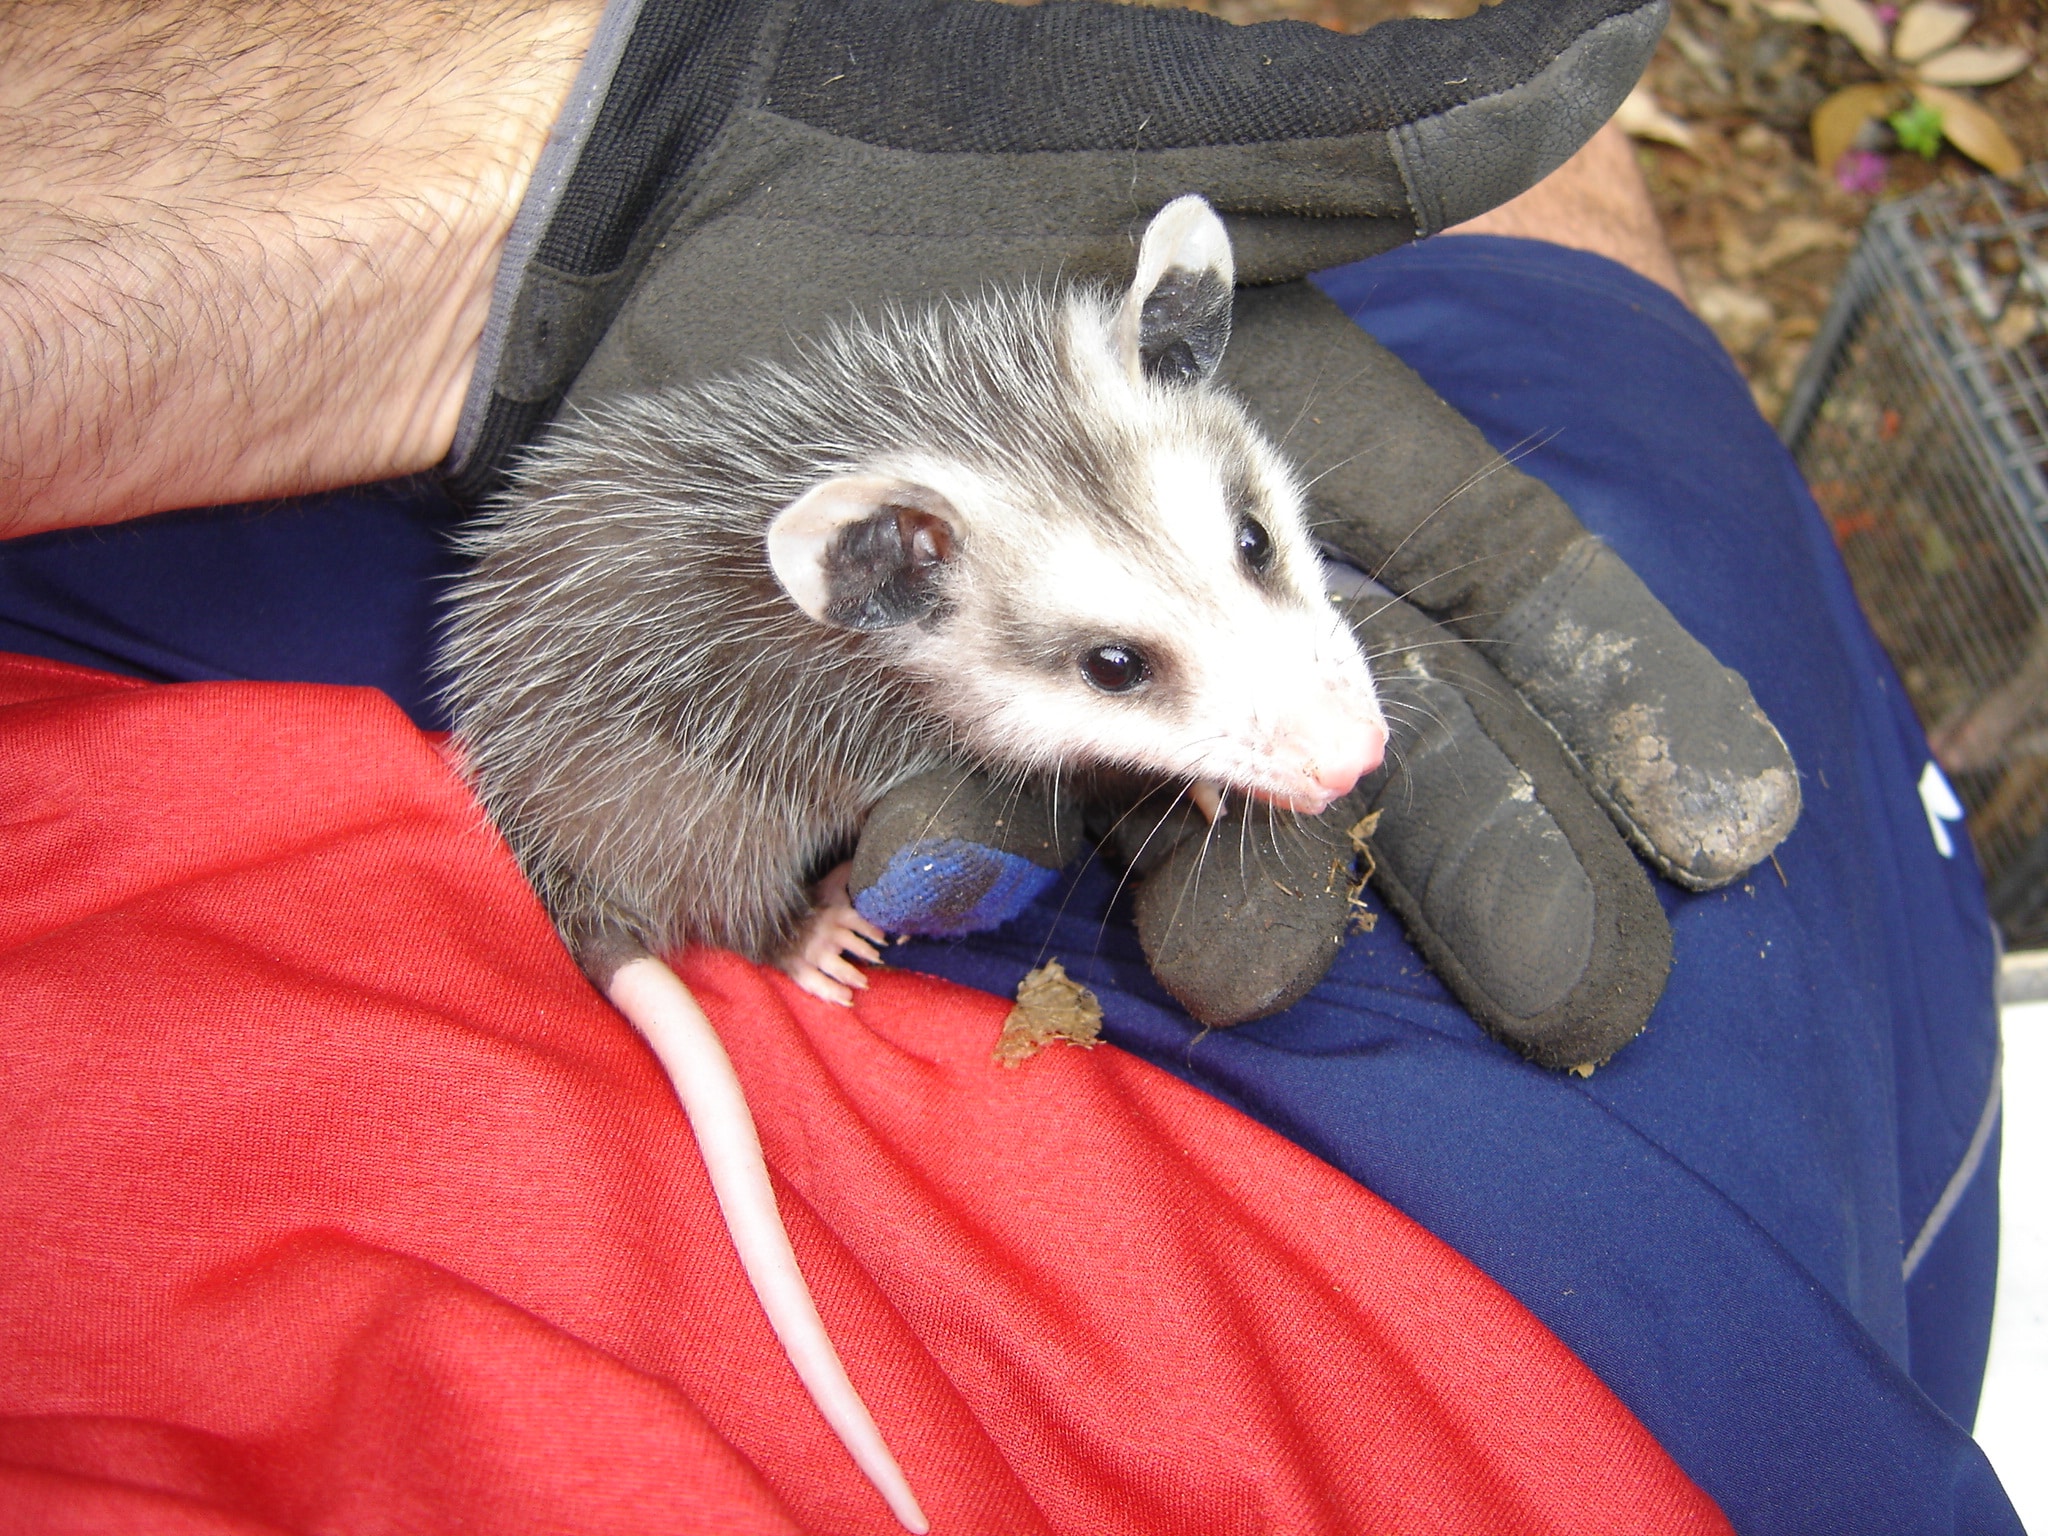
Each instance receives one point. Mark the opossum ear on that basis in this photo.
(864, 551)
(1176, 319)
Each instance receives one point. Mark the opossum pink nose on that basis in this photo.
(1331, 760)
(1340, 775)
(1337, 773)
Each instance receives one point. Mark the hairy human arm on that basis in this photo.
(246, 249)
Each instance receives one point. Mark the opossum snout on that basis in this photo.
(1319, 758)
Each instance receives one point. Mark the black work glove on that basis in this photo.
(730, 175)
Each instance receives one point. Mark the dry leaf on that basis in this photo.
(1640, 116)
(1702, 54)
(1972, 65)
(1972, 130)
(1733, 252)
(2014, 326)
(1362, 830)
(1857, 21)
(1838, 120)
(1800, 13)
(1795, 237)
(1739, 317)
(1050, 1006)
(1928, 27)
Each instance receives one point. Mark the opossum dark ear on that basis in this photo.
(1176, 319)
(864, 551)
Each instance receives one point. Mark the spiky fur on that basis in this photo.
(673, 749)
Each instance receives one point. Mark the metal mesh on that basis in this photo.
(1921, 422)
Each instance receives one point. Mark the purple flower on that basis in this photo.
(1861, 170)
(1887, 14)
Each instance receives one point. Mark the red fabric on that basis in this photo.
(336, 1200)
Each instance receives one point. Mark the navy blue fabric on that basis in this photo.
(1716, 1220)
(324, 589)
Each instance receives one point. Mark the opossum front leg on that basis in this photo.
(821, 961)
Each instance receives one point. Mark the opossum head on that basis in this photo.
(1098, 560)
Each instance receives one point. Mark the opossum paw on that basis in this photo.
(834, 936)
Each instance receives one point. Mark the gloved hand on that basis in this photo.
(731, 173)
(1586, 694)
(1491, 845)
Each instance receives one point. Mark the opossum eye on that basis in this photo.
(1254, 546)
(1115, 668)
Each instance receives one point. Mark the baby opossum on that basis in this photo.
(710, 628)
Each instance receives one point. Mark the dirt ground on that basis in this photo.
(1760, 234)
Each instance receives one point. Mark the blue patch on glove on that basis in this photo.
(948, 887)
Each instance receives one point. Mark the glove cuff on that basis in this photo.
(951, 852)
(659, 82)
(795, 156)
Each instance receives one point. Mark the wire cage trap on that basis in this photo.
(1920, 420)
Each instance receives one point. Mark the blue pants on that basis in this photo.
(1770, 1224)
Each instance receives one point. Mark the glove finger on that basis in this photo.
(745, 168)
(1241, 919)
(952, 852)
(1507, 875)
(1671, 742)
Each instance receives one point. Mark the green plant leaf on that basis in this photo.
(1919, 129)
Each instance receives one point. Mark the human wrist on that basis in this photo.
(270, 276)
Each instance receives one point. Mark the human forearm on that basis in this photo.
(246, 250)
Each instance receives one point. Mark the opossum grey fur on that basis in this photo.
(674, 749)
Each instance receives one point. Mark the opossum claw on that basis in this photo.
(657, 1003)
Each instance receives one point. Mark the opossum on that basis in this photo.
(710, 627)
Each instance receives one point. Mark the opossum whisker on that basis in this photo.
(1344, 463)
(1499, 462)
(1351, 603)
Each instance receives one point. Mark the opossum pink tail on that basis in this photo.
(657, 1003)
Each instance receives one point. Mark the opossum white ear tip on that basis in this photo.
(1175, 321)
(864, 551)
(1187, 233)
